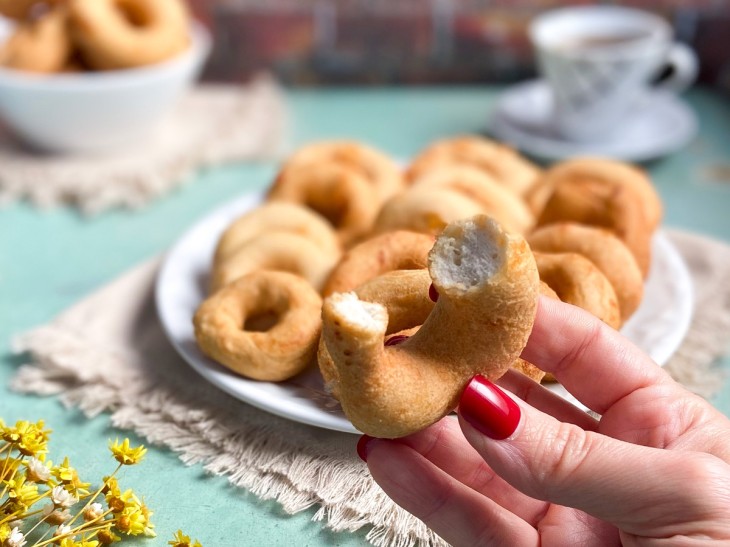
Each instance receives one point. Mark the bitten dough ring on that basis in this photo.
(398, 250)
(602, 248)
(578, 281)
(279, 251)
(341, 195)
(41, 45)
(497, 201)
(278, 217)
(119, 34)
(500, 161)
(285, 341)
(378, 169)
(488, 287)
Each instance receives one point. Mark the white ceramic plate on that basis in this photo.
(661, 123)
(658, 326)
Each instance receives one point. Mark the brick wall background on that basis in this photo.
(310, 42)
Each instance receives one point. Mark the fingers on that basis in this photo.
(636, 488)
(584, 354)
(454, 511)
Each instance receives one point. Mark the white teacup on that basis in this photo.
(598, 60)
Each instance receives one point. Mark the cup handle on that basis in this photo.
(684, 68)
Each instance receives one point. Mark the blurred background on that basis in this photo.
(380, 42)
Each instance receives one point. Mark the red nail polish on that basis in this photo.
(433, 294)
(488, 409)
(395, 340)
(362, 447)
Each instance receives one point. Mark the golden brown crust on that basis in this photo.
(41, 45)
(602, 248)
(114, 35)
(480, 324)
(399, 250)
(22, 9)
(501, 162)
(576, 280)
(276, 351)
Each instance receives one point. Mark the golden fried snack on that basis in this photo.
(119, 34)
(501, 162)
(279, 251)
(496, 201)
(277, 216)
(576, 280)
(264, 326)
(425, 210)
(341, 195)
(22, 9)
(405, 296)
(398, 250)
(378, 169)
(41, 45)
(602, 248)
(487, 283)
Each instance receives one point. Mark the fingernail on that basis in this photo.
(362, 446)
(488, 409)
(433, 293)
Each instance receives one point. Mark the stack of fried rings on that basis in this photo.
(68, 35)
(588, 221)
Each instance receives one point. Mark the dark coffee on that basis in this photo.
(577, 43)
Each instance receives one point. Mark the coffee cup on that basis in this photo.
(600, 60)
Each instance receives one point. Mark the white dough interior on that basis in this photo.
(366, 315)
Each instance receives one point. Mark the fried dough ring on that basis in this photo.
(398, 250)
(576, 280)
(41, 45)
(279, 251)
(501, 162)
(21, 9)
(339, 194)
(497, 201)
(119, 34)
(379, 170)
(283, 343)
(602, 248)
(425, 210)
(488, 286)
(277, 216)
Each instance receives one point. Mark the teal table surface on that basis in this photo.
(50, 259)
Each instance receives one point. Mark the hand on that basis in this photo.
(532, 469)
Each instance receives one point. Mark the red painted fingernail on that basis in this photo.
(488, 409)
(395, 340)
(433, 294)
(362, 445)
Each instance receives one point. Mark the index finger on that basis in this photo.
(591, 360)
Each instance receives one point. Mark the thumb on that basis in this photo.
(640, 490)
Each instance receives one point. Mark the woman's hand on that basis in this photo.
(535, 470)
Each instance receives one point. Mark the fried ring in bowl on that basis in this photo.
(339, 194)
(279, 251)
(264, 326)
(602, 248)
(378, 169)
(578, 281)
(22, 9)
(487, 283)
(119, 34)
(397, 250)
(503, 163)
(41, 45)
(277, 216)
(425, 210)
(497, 201)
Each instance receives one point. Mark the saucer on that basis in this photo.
(661, 124)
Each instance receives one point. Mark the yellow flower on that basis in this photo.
(68, 542)
(30, 439)
(126, 454)
(134, 519)
(69, 477)
(181, 540)
(5, 529)
(111, 487)
(21, 493)
(63, 472)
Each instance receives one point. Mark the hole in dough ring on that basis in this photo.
(279, 352)
(119, 34)
(399, 250)
(487, 283)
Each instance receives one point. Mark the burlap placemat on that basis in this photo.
(109, 353)
(212, 124)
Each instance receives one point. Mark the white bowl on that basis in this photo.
(96, 111)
